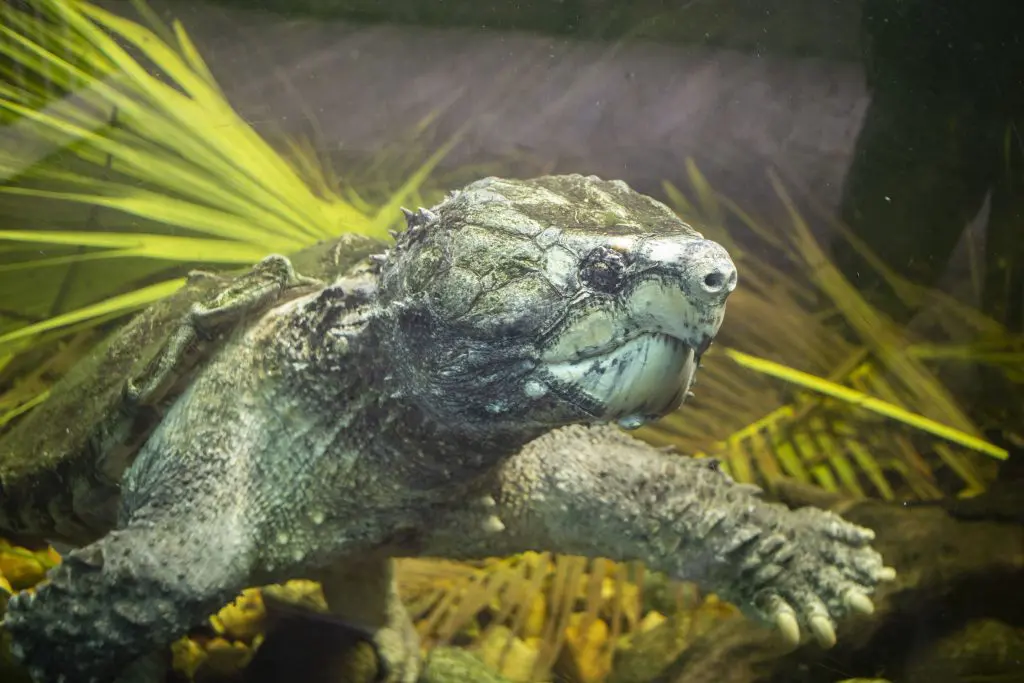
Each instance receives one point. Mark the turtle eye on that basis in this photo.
(602, 269)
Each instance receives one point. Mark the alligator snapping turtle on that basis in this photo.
(456, 397)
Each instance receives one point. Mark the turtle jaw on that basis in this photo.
(644, 378)
(634, 359)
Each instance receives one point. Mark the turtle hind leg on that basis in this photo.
(122, 598)
(366, 594)
(260, 286)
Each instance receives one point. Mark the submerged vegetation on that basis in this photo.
(118, 129)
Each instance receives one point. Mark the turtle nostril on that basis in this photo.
(714, 281)
(719, 279)
(712, 273)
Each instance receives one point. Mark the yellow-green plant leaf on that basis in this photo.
(24, 407)
(869, 465)
(872, 325)
(861, 400)
(36, 264)
(189, 249)
(123, 303)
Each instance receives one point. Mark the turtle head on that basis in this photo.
(529, 304)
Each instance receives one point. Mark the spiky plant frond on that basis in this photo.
(110, 114)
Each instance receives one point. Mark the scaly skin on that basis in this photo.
(61, 465)
(597, 492)
(426, 406)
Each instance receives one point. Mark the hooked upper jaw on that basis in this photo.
(634, 357)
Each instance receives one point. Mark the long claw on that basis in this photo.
(858, 602)
(785, 621)
(824, 633)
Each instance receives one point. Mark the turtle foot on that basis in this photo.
(809, 574)
(105, 607)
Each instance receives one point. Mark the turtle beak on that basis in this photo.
(638, 359)
(684, 291)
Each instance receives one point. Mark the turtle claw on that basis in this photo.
(133, 394)
(823, 630)
(806, 578)
(818, 623)
(785, 621)
(858, 602)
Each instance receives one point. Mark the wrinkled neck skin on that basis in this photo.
(394, 384)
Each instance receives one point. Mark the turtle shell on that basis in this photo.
(61, 464)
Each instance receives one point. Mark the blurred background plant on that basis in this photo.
(123, 166)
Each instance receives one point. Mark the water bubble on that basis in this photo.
(632, 422)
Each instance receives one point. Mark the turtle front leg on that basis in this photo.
(600, 493)
(262, 285)
(127, 595)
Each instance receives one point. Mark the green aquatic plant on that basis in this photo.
(154, 139)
